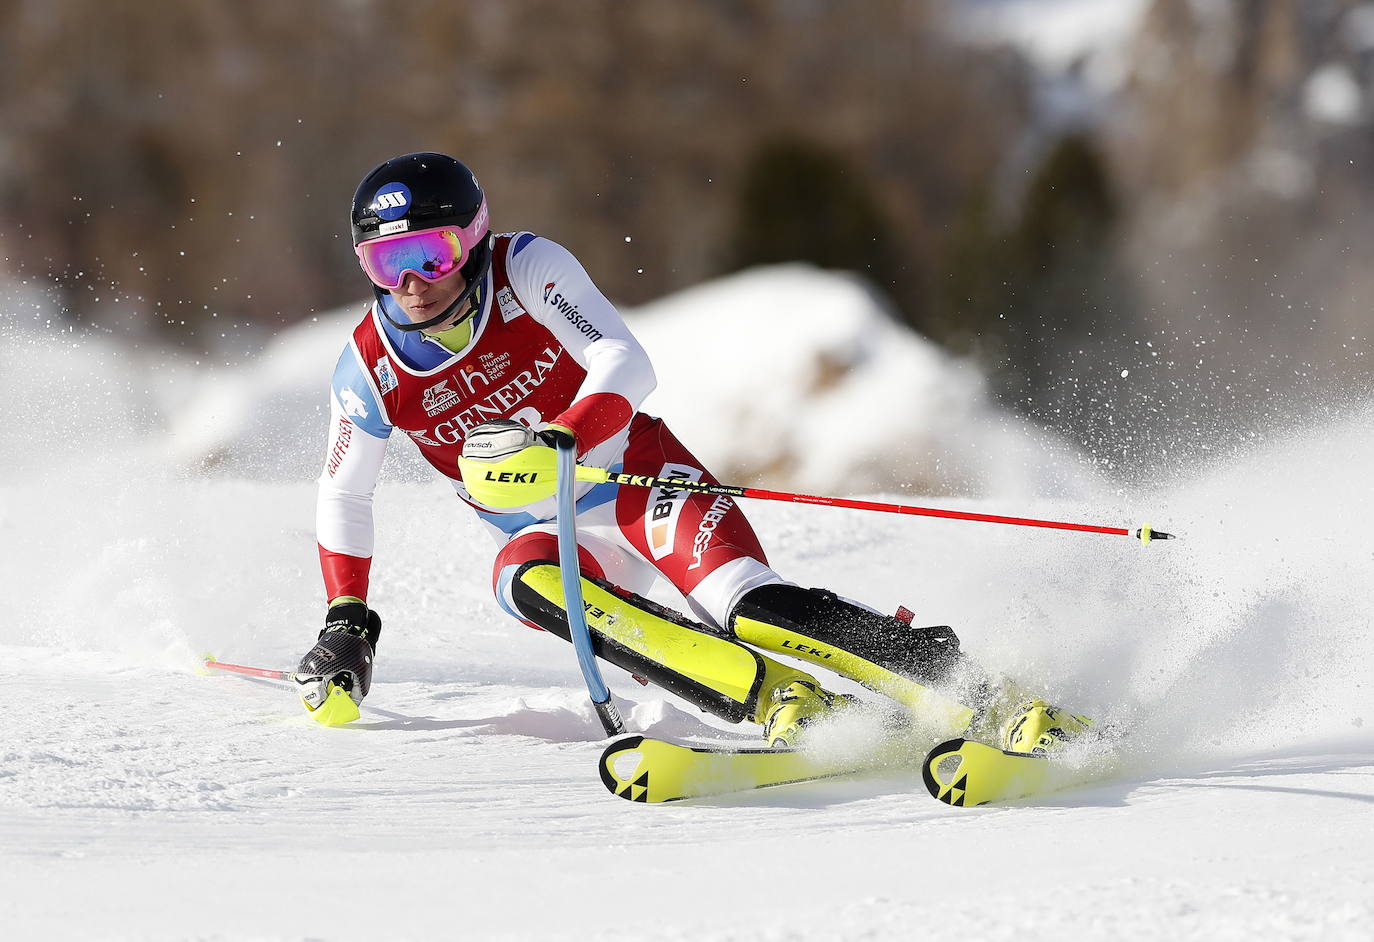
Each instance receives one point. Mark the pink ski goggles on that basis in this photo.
(432, 254)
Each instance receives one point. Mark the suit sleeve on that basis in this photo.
(358, 436)
(562, 297)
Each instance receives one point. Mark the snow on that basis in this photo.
(140, 799)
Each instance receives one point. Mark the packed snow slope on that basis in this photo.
(141, 800)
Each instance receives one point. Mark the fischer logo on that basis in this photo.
(499, 404)
(438, 397)
(665, 509)
(719, 508)
(340, 449)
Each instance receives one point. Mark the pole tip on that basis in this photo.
(1147, 533)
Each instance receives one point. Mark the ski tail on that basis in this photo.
(642, 769)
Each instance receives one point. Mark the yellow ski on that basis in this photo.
(959, 772)
(966, 774)
(638, 768)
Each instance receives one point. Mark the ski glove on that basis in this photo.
(507, 464)
(336, 674)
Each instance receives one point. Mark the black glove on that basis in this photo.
(342, 656)
(355, 618)
(556, 435)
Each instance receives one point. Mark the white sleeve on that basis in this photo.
(560, 295)
(352, 464)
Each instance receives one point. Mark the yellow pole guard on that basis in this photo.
(338, 708)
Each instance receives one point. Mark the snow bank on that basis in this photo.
(788, 376)
(799, 378)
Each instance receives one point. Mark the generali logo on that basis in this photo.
(438, 397)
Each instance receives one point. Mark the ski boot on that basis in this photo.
(1013, 719)
(794, 706)
(1038, 728)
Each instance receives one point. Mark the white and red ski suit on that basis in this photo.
(546, 347)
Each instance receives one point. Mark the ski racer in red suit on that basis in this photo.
(502, 341)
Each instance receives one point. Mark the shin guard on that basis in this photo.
(884, 654)
(714, 672)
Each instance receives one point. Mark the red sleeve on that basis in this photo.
(595, 418)
(344, 574)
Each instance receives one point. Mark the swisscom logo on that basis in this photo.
(391, 201)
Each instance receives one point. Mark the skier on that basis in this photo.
(486, 350)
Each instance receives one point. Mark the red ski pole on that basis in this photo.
(212, 664)
(600, 475)
(337, 709)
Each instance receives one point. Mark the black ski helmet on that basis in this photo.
(421, 191)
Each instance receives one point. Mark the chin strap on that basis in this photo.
(474, 286)
(411, 327)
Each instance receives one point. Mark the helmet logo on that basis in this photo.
(391, 201)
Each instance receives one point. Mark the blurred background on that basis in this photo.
(1143, 225)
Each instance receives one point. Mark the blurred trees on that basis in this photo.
(193, 162)
(798, 201)
(1246, 168)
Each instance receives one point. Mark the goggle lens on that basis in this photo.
(432, 255)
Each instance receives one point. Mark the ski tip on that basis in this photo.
(203, 663)
(942, 785)
(620, 770)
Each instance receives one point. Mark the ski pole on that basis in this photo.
(337, 710)
(601, 475)
(266, 673)
(572, 593)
